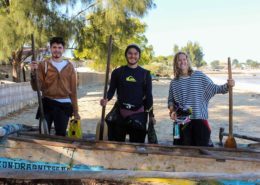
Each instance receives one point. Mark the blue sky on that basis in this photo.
(224, 28)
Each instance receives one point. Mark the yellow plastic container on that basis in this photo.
(74, 130)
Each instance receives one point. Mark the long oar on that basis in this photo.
(222, 133)
(230, 142)
(43, 126)
(101, 130)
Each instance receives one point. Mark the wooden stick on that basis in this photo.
(247, 137)
(122, 175)
(105, 88)
(230, 142)
(230, 90)
(220, 136)
(242, 136)
(43, 126)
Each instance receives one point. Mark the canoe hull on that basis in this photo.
(122, 156)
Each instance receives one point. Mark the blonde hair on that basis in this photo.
(176, 70)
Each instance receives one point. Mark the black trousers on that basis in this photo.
(57, 112)
(134, 125)
(194, 133)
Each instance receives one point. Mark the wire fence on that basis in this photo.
(15, 96)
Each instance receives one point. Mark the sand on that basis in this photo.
(246, 110)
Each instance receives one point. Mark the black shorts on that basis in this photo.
(134, 125)
(195, 133)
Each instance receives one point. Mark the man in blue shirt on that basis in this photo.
(133, 85)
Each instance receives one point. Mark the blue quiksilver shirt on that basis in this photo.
(132, 85)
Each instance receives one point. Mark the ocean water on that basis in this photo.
(249, 83)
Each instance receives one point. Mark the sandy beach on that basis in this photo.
(246, 109)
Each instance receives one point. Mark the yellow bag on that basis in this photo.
(74, 130)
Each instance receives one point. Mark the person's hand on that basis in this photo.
(76, 116)
(34, 66)
(231, 83)
(173, 115)
(103, 102)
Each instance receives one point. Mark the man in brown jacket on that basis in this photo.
(58, 83)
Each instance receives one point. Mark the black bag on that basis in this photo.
(113, 115)
(151, 134)
(137, 121)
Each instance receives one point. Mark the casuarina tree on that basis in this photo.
(117, 18)
(21, 18)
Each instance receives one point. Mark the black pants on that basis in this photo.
(58, 113)
(134, 125)
(194, 133)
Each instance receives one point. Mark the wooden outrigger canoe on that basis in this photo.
(114, 160)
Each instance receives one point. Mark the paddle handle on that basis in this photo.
(110, 42)
(37, 78)
(42, 118)
(230, 91)
(33, 47)
(108, 65)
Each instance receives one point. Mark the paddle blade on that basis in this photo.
(230, 142)
(44, 127)
(105, 131)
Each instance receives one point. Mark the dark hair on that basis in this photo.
(58, 40)
(133, 46)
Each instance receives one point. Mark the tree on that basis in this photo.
(161, 65)
(215, 64)
(19, 19)
(161, 59)
(204, 63)
(175, 49)
(194, 51)
(252, 63)
(235, 62)
(119, 18)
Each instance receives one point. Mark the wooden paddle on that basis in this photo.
(230, 142)
(43, 126)
(222, 133)
(101, 130)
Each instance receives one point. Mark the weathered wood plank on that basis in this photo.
(222, 133)
(123, 174)
(147, 149)
(120, 156)
(132, 145)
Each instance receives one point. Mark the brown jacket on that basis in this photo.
(56, 84)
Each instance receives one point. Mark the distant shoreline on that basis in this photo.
(235, 72)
